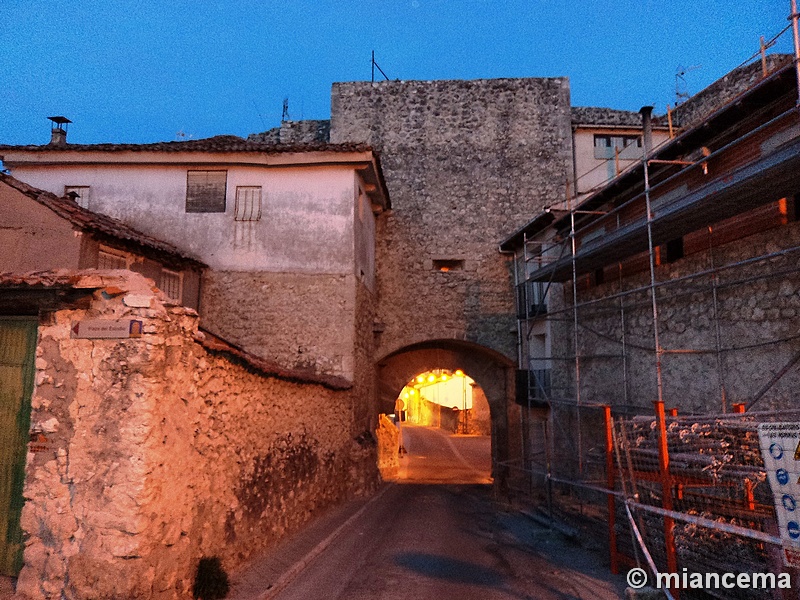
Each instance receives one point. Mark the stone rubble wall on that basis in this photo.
(479, 419)
(153, 452)
(465, 163)
(722, 91)
(299, 320)
(388, 448)
(758, 313)
(295, 132)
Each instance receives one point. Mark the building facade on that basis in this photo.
(44, 232)
(287, 231)
(677, 281)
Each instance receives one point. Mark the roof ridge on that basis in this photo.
(218, 143)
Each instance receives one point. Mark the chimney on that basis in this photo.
(58, 134)
(647, 128)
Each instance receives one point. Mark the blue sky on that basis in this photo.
(143, 71)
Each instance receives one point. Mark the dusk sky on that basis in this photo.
(128, 71)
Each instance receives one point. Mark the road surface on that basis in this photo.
(438, 535)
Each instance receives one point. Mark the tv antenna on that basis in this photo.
(375, 66)
(681, 88)
(285, 115)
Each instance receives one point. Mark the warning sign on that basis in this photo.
(780, 448)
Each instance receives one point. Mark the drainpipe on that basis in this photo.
(647, 127)
(647, 134)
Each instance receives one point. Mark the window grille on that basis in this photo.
(248, 203)
(110, 259)
(606, 146)
(172, 284)
(205, 191)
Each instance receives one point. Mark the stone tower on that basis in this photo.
(465, 162)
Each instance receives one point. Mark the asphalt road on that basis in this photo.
(437, 534)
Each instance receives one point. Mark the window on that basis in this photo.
(445, 265)
(599, 276)
(531, 299)
(79, 193)
(172, 285)
(674, 249)
(109, 258)
(606, 146)
(205, 191)
(248, 203)
(533, 388)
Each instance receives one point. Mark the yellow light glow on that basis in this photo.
(460, 373)
(444, 377)
(431, 378)
(412, 392)
(405, 396)
(420, 378)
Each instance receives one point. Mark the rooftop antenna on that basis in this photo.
(375, 66)
(681, 88)
(260, 116)
(285, 115)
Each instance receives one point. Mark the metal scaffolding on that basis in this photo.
(554, 254)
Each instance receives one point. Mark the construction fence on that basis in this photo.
(679, 494)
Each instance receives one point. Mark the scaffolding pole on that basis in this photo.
(575, 336)
(717, 334)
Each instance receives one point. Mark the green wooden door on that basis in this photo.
(17, 353)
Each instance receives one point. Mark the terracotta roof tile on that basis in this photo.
(46, 279)
(86, 220)
(219, 143)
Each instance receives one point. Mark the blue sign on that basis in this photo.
(776, 451)
(789, 502)
(794, 529)
(782, 475)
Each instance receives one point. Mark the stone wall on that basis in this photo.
(723, 90)
(295, 132)
(153, 452)
(422, 411)
(757, 316)
(479, 419)
(366, 409)
(303, 321)
(388, 448)
(465, 162)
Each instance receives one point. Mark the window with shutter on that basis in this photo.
(205, 191)
(108, 258)
(172, 284)
(248, 203)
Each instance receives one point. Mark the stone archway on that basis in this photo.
(490, 369)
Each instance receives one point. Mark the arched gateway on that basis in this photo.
(492, 371)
